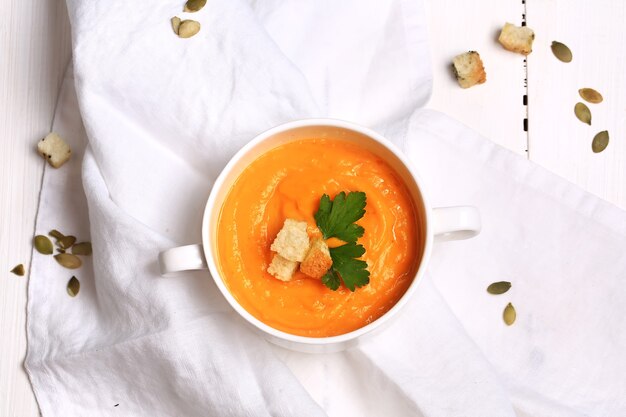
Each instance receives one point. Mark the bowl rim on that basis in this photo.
(267, 329)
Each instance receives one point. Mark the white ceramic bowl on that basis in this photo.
(449, 223)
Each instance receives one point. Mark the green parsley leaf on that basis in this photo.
(331, 279)
(353, 271)
(336, 218)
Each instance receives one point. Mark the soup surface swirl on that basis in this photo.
(288, 182)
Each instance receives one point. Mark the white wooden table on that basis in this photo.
(35, 49)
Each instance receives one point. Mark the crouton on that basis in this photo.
(282, 268)
(317, 261)
(468, 69)
(517, 38)
(54, 149)
(292, 242)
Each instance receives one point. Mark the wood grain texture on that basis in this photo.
(558, 141)
(35, 48)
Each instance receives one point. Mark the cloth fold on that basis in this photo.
(160, 118)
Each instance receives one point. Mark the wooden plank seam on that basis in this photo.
(525, 97)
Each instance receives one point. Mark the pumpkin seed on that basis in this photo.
(56, 234)
(175, 24)
(561, 51)
(82, 248)
(499, 287)
(590, 95)
(68, 260)
(509, 314)
(194, 5)
(66, 242)
(18, 270)
(583, 113)
(188, 28)
(43, 245)
(600, 141)
(73, 286)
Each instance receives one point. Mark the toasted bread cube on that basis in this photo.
(468, 69)
(292, 242)
(54, 149)
(317, 260)
(282, 268)
(517, 38)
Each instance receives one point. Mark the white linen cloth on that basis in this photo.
(162, 116)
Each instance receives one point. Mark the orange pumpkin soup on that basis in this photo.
(288, 182)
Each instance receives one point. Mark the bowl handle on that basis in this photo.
(182, 258)
(456, 223)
